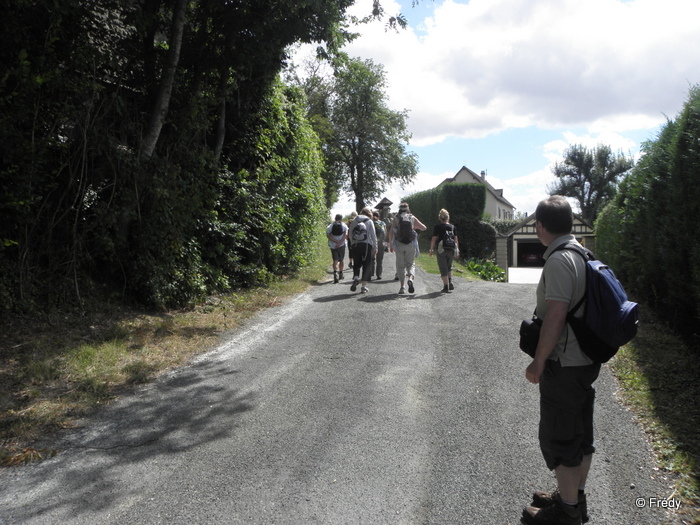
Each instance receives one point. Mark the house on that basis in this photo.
(520, 247)
(497, 206)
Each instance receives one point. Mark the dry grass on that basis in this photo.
(59, 367)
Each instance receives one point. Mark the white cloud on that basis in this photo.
(486, 65)
(604, 68)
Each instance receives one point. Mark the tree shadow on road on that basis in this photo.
(156, 425)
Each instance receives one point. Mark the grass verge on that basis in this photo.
(658, 376)
(57, 368)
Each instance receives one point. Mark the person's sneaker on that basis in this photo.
(555, 514)
(542, 499)
(410, 286)
(452, 286)
(379, 277)
(445, 289)
(354, 285)
(402, 290)
(396, 278)
(341, 276)
(364, 289)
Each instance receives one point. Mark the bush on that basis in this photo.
(486, 270)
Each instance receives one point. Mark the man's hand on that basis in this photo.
(552, 326)
(533, 373)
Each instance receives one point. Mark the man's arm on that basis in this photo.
(552, 326)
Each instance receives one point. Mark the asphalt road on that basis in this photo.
(339, 408)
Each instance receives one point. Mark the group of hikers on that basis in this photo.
(560, 366)
(366, 234)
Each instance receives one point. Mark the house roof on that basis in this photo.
(498, 194)
(531, 218)
(384, 203)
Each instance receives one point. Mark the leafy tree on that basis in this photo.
(368, 142)
(589, 176)
(124, 126)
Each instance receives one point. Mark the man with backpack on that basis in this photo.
(337, 233)
(565, 374)
(403, 240)
(363, 248)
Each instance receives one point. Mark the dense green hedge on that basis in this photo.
(231, 192)
(466, 203)
(646, 233)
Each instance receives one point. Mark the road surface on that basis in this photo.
(339, 408)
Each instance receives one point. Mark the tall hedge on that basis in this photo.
(466, 204)
(646, 233)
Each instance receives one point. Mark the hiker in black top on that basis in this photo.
(445, 238)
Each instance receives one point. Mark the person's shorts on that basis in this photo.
(567, 398)
(444, 261)
(338, 253)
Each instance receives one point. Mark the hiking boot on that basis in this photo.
(555, 514)
(341, 276)
(364, 289)
(541, 499)
(402, 290)
(354, 284)
(452, 286)
(335, 277)
(410, 286)
(445, 289)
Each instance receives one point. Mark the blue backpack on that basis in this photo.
(610, 320)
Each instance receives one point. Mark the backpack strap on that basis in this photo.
(587, 256)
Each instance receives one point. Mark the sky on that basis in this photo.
(505, 86)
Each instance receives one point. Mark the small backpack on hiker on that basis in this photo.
(448, 242)
(405, 233)
(359, 231)
(610, 320)
(337, 229)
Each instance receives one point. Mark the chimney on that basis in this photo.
(483, 174)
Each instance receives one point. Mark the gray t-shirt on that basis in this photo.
(563, 279)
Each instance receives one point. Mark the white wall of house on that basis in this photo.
(496, 205)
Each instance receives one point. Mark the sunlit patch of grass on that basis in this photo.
(429, 264)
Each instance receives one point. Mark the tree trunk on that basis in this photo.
(160, 108)
(221, 126)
